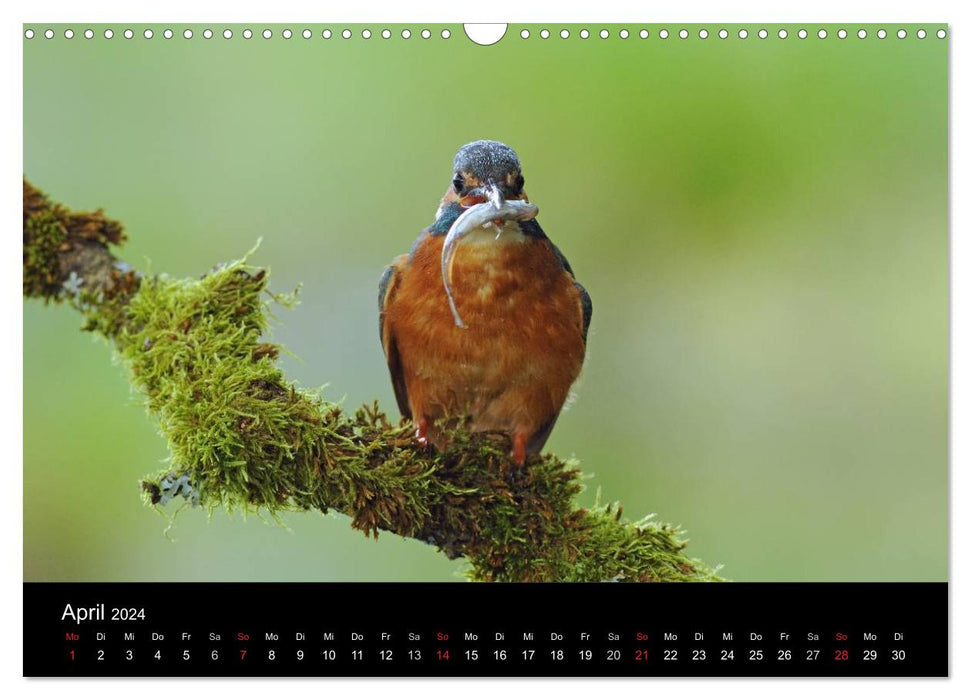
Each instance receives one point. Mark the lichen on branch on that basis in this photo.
(242, 436)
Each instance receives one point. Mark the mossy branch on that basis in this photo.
(242, 436)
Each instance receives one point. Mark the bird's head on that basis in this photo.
(485, 171)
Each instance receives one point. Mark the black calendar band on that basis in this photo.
(411, 629)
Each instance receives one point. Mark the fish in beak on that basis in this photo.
(478, 215)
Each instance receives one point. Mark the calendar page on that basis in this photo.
(467, 350)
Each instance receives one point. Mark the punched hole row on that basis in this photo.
(245, 34)
(446, 34)
(725, 34)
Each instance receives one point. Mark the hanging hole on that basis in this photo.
(485, 34)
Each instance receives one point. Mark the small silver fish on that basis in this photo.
(479, 215)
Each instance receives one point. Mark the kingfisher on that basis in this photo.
(483, 321)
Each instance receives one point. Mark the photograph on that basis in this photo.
(377, 303)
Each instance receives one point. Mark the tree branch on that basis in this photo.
(242, 436)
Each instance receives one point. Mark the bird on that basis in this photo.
(506, 359)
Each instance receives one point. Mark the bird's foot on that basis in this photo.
(519, 449)
(421, 433)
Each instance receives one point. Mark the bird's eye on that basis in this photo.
(520, 181)
(458, 183)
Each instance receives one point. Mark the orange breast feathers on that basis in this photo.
(511, 368)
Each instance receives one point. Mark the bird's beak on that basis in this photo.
(489, 192)
(494, 195)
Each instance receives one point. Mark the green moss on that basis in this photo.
(193, 349)
(43, 236)
(67, 258)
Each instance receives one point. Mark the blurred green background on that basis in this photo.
(762, 225)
